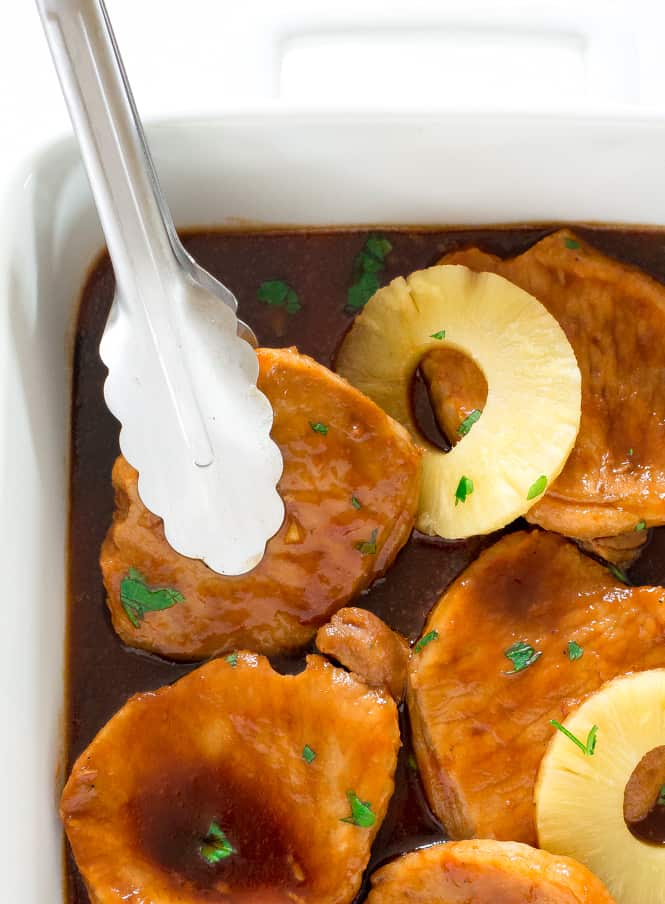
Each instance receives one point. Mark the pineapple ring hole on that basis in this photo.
(643, 815)
(438, 413)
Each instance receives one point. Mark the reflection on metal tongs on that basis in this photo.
(182, 372)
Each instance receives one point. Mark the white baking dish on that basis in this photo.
(268, 169)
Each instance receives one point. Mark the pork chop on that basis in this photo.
(481, 719)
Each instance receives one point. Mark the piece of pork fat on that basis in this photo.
(350, 488)
(614, 317)
(525, 634)
(235, 784)
(485, 872)
(368, 648)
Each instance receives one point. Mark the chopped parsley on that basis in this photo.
(440, 335)
(426, 639)
(537, 487)
(631, 451)
(411, 763)
(232, 659)
(318, 427)
(573, 244)
(641, 525)
(468, 422)
(464, 489)
(137, 598)
(355, 502)
(522, 655)
(361, 812)
(588, 748)
(619, 573)
(368, 547)
(279, 294)
(661, 797)
(367, 266)
(575, 651)
(308, 754)
(216, 846)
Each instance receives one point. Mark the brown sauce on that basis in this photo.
(102, 674)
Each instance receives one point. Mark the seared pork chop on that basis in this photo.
(350, 488)
(481, 720)
(485, 872)
(614, 317)
(235, 784)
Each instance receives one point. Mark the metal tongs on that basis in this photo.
(181, 370)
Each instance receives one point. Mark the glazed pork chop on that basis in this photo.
(614, 317)
(528, 631)
(235, 784)
(350, 488)
(485, 872)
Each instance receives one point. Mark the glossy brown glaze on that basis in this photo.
(480, 729)
(327, 551)
(225, 745)
(102, 673)
(486, 872)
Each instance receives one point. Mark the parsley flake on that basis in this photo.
(411, 763)
(367, 266)
(232, 659)
(440, 335)
(361, 812)
(537, 487)
(575, 651)
(588, 748)
(137, 598)
(355, 502)
(308, 754)
(522, 655)
(277, 293)
(571, 243)
(619, 573)
(631, 451)
(216, 846)
(661, 797)
(464, 489)
(368, 547)
(318, 427)
(468, 422)
(425, 640)
(641, 525)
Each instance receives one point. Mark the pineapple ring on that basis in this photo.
(580, 799)
(530, 421)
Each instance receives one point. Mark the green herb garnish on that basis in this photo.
(575, 651)
(308, 754)
(317, 427)
(464, 489)
(355, 502)
(661, 797)
(641, 525)
(361, 812)
(216, 846)
(369, 262)
(137, 598)
(279, 294)
(522, 655)
(232, 659)
(426, 639)
(411, 763)
(631, 451)
(571, 243)
(587, 749)
(368, 547)
(537, 487)
(440, 335)
(619, 573)
(468, 422)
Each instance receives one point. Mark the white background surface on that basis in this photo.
(196, 56)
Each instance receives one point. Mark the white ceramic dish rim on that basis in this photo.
(265, 168)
